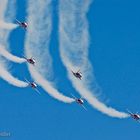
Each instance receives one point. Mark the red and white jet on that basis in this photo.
(135, 116)
(79, 101)
(30, 60)
(32, 85)
(24, 25)
(77, 74)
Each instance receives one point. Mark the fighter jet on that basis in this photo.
(24, 25)
(135, 116)
(30, 60)
(77, 74)
(33, 85)
(79, 101)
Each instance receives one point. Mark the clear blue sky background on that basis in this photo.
(114, 52)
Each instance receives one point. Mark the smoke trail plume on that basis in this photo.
(47, 86)
(38, 35)
(74, 42)
(5, 75)
(3, 5)
(3, 23)
(8, 26)
(36, 45)
(11, 57)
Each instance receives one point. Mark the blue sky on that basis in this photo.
(114, 53)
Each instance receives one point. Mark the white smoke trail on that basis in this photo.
(8, 26)
(36, 45)
(38, 35)
(74, 42)
(47, 86)
(3, 5)
(3, 24)
(11, 57)
(4, 73)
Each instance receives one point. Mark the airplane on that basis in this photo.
(30, 60)
(135, 116)
(24, 25)
(77, 74)
(32, 85)
(79, 101)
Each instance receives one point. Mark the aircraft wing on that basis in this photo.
(18, 21)
(73, 96)
(72, 72)
(37, 91)
(129, 112)
(24, 57)
(84, 107)
(27, 81)
(76, 97)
